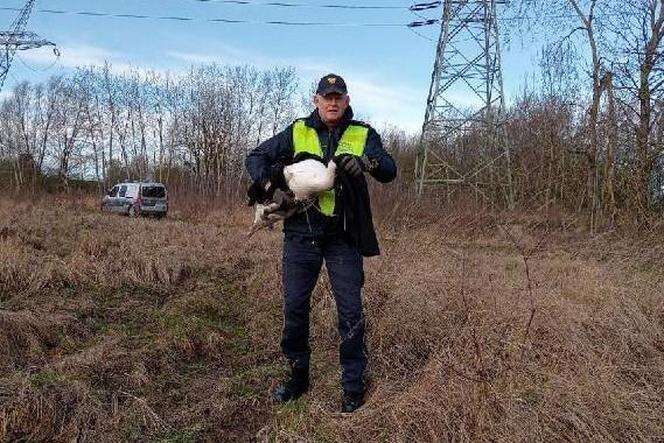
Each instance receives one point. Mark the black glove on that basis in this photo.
(352, 165)
(277, 179)
(258, 192)
(263, 190)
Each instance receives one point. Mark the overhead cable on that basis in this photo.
(221, 20)
(419, 23)
(414, 10)
(413, 24)
(424, 6)
(416, 7)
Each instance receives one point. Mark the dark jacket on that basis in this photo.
(279, 149)
(355, 213)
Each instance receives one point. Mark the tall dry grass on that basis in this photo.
(481, 326)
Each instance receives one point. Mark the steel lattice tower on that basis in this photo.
(17, 39)
(465, 100)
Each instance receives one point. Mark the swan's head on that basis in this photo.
(288, 174)
(332, 166)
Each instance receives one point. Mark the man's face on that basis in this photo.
(331, 107)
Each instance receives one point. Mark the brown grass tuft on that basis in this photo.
(481, 326)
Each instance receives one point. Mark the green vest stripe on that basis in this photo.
(353, 141)
(305, 139)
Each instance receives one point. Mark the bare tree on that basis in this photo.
(637, 28)
(587, 18)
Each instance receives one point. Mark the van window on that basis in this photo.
(154, 191)
(114, 192)
(123, 191)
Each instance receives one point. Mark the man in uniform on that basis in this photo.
(337, 229)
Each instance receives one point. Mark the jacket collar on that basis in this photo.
(314, 120)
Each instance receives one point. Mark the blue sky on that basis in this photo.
(388, 69)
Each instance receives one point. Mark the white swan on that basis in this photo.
(309, 178)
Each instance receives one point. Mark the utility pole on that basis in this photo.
(465, 100)
(17, 39)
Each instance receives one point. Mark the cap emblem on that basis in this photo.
(331, 80)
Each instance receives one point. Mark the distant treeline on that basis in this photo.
(587, 141)
(189, 131)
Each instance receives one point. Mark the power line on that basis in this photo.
(223, 20)
(39, 70)
(415, 7)
(422, 36)
(426, 22)
(416, 13)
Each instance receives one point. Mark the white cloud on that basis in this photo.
(73, 56)
(194, 58)
(70, 56)
(225, 54)
(387, 103)
(379, 98)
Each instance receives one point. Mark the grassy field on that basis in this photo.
(479, 328)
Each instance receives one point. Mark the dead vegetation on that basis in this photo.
(480, 327)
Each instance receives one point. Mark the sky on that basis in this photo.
(388, 69)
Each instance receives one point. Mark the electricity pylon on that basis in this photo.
(17, 39)
(466, 103)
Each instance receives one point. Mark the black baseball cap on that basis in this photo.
(331, 83)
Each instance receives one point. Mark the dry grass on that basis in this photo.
(480, 327)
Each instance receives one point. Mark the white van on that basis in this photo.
(135, 199)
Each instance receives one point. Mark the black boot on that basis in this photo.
(352, 401)
(293, 388)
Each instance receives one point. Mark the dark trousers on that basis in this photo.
(302, 261)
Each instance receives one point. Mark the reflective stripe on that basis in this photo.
(305, 139)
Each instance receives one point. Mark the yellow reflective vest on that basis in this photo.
(305, 140)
